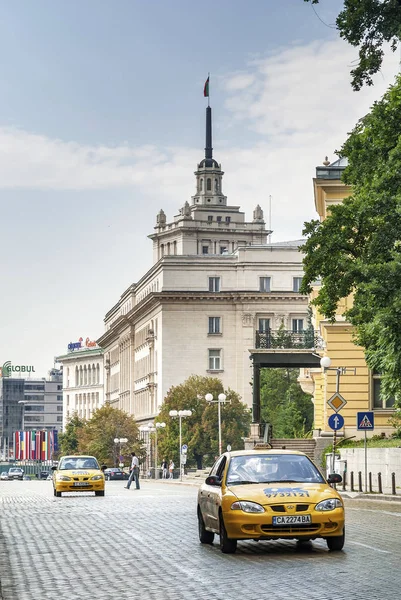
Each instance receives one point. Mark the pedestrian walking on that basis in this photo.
(171, 469)
(164, 469)
(134, 472)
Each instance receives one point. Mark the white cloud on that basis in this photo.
(298, 100)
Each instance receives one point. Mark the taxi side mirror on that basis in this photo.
(103, 467)
(213, 480)
(334, 478)
(54, 468)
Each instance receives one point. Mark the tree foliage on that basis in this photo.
(357, 248)
(369, 24)
(283, 403)
(68, 439)
(96, 436)
(200, 431)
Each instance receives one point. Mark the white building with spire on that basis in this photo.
(214, 283)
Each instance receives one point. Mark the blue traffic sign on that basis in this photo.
(184, 448)
(365, 421)
(336, 422)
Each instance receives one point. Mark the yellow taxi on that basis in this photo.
(267, 495)
(78, 474)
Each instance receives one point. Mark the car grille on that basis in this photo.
(280, 508)
(308, 528)
(80, 478)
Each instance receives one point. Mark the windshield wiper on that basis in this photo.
(244, 482)
(282, 481)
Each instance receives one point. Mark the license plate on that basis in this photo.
(292, 520)
(81, 484)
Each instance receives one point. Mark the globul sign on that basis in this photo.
(8, 369)
(79, 346)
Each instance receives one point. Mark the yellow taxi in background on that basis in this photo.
(267, 495)
(78, 474)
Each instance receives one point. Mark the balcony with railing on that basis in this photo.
(283, 339)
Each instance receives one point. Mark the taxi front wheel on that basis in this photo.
(335, 544)
(227, 545)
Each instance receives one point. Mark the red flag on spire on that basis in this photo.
(206, 88)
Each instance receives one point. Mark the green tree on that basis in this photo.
(283, 403)
(357, 248)
(200, 431)
(68, 439)
(97, 436)
(369, 24)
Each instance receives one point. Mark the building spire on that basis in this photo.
(208, 148)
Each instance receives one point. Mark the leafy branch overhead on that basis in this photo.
(369, 25)
(357, 248)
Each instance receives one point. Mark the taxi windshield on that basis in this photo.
(70, 463)
(262, 468)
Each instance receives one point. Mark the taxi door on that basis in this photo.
(214, 498)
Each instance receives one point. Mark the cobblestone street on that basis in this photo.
(144, 544)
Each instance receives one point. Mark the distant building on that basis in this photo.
(82, 379)
(29, 405)
(214, 284)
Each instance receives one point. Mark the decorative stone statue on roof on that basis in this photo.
(258, 215)
(161, 217)
(186, 211)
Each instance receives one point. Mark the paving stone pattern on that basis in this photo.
(143, 544)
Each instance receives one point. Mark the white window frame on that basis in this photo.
(264, 319)
(214, 282)
(295, 322)
(215, 362)
(377, 377)
(296, 283)
(212, 329)
(263, 286)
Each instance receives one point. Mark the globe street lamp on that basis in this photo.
(221, 399)
(120, 441)
(180, 414)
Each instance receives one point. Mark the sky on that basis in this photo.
(102, 120)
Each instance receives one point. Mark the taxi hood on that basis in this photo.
(272, 493)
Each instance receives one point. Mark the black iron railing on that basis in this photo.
(286, 339)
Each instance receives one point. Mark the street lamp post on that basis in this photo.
(180, 414)
(221, 399)
(120, 441)
(325, 363)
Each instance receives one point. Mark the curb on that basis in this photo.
(371, 497)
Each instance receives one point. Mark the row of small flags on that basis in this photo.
(35, 445)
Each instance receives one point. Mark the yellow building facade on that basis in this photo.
(358, 385)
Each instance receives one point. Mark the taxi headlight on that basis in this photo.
(96, 477)
(248, 507)
(63, 478)
(330, 504)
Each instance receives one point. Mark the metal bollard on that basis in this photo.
(352, 481)
(393, 490)
(344, 480)
(360, 481)
(370, 483)
(379, 483)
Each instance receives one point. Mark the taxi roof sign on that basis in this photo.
(336, 402)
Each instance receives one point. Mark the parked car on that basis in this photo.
(44, 475)
(268, 495)
(16, 473)
(4, 476)
(78, 474)
(115, 474)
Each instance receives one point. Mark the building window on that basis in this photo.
(209, 185)
(59, 409)
(296, 284)
(264, 284)
(264, 325)
(216, 185)
(59, 387)
(60, 398)
(214, 284)
(378, 402)
(214, 360)
(218, 219)
(214, 325)
(228, 219)
(205, 249)
(223, 249)
(34, 408)
(210, 218)
(201, 184)
(59, 419)
(297, 325)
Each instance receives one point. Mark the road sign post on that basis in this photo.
(365, 421)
